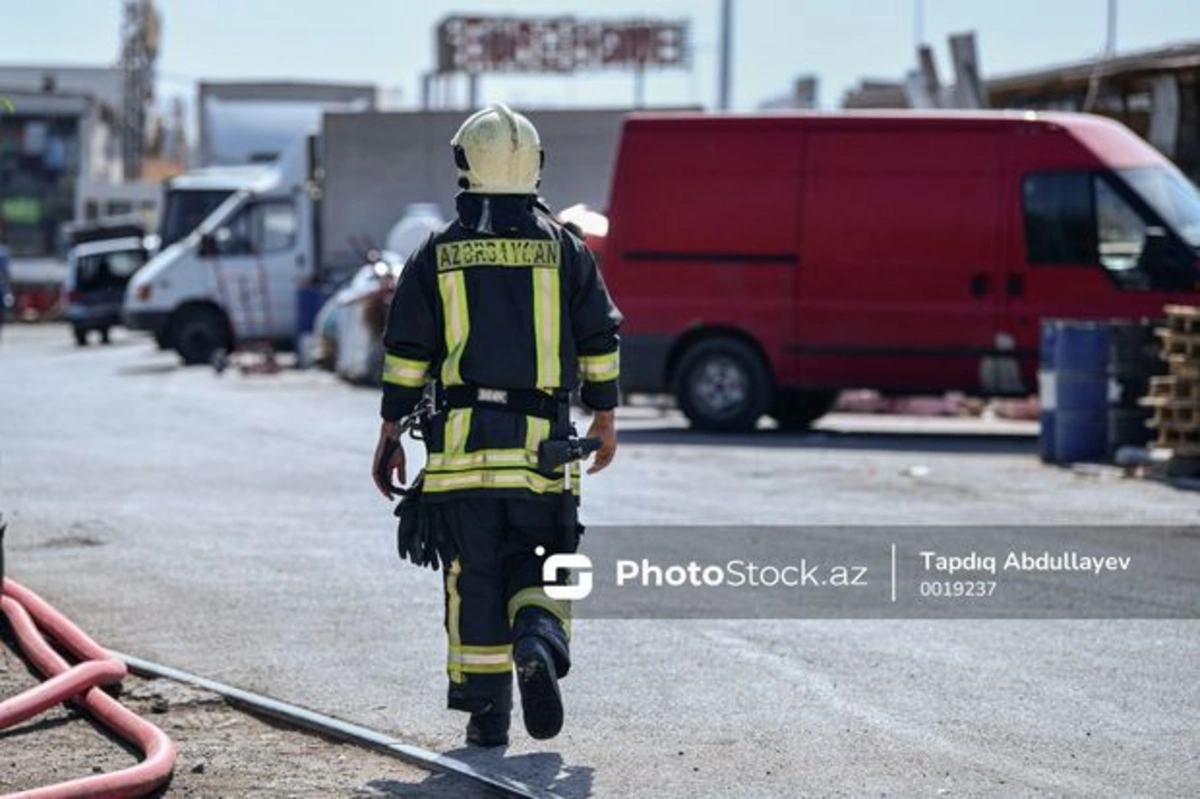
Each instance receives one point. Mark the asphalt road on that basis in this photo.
(227, 526)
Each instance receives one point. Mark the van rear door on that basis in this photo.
(900, 272)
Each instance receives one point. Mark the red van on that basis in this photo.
(766, 262)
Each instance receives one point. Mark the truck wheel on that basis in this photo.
(723, 385)
(163, 339)
(81, 337)
(797, 410)
(198, 333)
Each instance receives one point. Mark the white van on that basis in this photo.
(232, 277)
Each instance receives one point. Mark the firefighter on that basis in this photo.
(500, 316)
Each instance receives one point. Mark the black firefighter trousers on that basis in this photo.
(494, 594)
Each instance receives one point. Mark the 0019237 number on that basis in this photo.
(957, 588)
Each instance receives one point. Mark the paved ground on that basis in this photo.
(227, 526)
(221, 752)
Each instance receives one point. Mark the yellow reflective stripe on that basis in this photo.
(546, 314)
(536, 597)
(481, 458)
(453, 610)
(537, 430)
(482, 659)
(600, 368)
(453, 290)
(497, 649)
(495, 478)
(534, 253)
(458, 426)
(486, 668)
(404, 371)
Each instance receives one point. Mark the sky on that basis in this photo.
(390, 42)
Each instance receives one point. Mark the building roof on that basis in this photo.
(105, 83)
(1066, 77)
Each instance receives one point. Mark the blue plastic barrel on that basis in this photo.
(1080, 425)
(1046, 399)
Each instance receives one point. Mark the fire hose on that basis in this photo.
(32, 618)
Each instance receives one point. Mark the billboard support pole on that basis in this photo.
(473, 91)
(726, 53)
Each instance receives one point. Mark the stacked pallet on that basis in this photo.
(1175, 397)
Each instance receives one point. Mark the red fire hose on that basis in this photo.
(30, 616)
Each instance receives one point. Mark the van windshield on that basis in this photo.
(186, 209)
(1171, 195)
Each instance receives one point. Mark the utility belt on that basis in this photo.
(524, 401)
(417, 541)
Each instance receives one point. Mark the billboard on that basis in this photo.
(476, 44)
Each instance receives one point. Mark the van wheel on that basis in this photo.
(797, 410)
(81, 337)
(198, 333)
(723, 385)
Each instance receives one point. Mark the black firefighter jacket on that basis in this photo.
(506, 298)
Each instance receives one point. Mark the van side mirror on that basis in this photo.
(1168, 262)
(208, 246)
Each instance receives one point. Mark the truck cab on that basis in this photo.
(236, 246)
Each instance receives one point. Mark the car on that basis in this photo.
(94, 287)
(7, 301)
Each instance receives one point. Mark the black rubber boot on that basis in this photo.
(490, 727)
(537, 677)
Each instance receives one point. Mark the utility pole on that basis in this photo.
(918, 24)
(140, 26)
(1110, 39)
(723, 102)
(1110, 49)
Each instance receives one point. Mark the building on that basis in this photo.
(1156, 93)
(802, 96)
(61, 155)
(51, 144)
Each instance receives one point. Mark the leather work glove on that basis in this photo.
(416, 534)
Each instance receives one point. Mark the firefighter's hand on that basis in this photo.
(604, 427)
(388, 462)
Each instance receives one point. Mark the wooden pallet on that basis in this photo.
(1183, 366)
(1173, 387)
(1183, 317)
(1174, 342)
(1185, 417)
(1181, 442)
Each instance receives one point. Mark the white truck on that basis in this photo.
(237, 244)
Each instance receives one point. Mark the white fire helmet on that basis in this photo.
(498, 151)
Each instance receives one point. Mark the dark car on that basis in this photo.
(97, 272)
(6, 294)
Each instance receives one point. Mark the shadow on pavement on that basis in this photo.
(961, 443)
(148, 369)
(544, 771)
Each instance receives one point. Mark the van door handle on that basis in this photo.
(979, 285)
(1016, 285)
